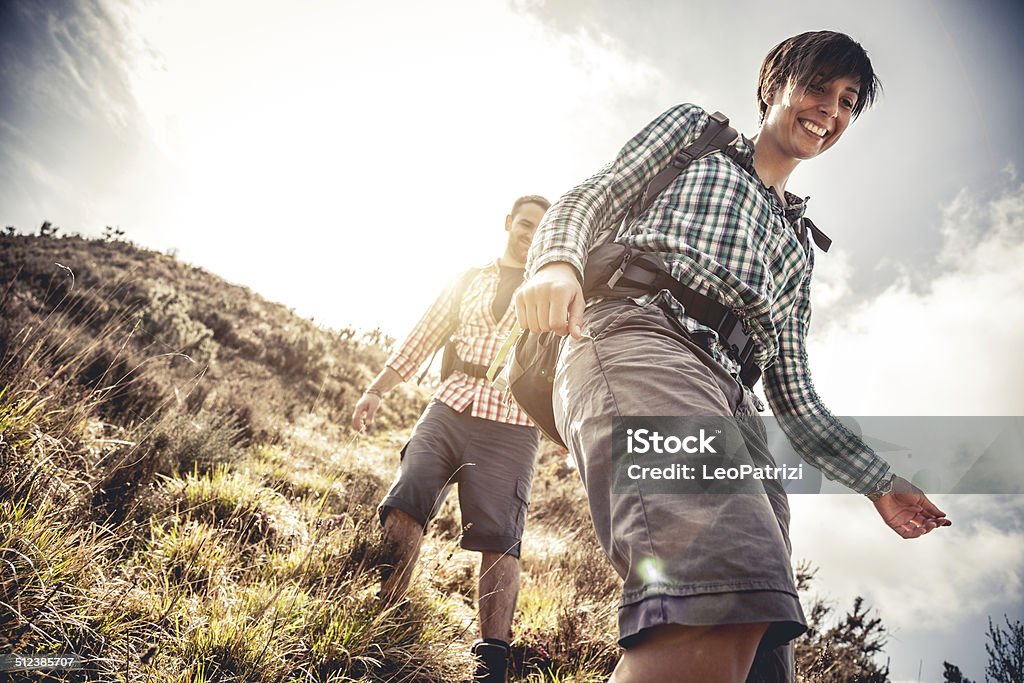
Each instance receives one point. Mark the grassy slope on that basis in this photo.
(180, 502)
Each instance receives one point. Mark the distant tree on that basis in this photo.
(952, 674)
(10, 231)
(1005, 652)
(111, 233)
(377, 337)
(844, 651)
(48, 229)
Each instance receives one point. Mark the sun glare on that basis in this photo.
(370, 152)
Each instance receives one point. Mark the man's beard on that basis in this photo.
(519, 251)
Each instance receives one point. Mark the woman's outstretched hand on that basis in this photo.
(908, 512)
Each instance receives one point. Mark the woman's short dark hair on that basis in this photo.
(818, 55)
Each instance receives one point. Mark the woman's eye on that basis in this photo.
(847, 102)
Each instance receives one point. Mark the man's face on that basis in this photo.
(804, 122)
(520, 227)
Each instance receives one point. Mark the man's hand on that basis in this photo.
(908, 512)
(551, 301)
(366, 408)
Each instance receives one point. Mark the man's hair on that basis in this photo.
(818, 55)
(529, 199)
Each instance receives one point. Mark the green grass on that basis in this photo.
(180, 499)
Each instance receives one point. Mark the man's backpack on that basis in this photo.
(616, 269)
(450, 360)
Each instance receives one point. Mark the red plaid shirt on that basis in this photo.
(478, 336)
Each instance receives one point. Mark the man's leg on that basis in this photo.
(494, 493)
(403, 536)
(691, 654)
(426, 471)
(498, 590)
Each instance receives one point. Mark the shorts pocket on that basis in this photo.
(607, 324)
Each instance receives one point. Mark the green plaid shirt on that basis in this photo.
(725, 234)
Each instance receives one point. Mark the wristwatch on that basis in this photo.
(883, 488)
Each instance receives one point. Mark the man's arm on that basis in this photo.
(366, 406)
(436, 325)
(551, 298)
(821, 439)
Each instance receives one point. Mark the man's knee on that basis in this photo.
(401, 526)
(402, 537)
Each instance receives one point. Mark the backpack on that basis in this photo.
(449, 357)
(531, 357)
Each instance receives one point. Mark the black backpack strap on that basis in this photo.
(717, 135)
(650, 276)
(822, 240)
(448, 344)
(460, 292)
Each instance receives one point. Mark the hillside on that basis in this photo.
(259, 360)
(181, 499)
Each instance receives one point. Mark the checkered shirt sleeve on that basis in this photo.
(570, 225)
(427, 336)
(816, 434)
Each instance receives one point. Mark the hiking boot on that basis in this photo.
(491, 657)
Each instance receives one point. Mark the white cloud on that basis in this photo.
(944, 342)
(83, 69)
(831, 282)
(974, 568)
(951, 347)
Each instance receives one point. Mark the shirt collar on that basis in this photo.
(742, 152)
(496, 266)
(744, 156)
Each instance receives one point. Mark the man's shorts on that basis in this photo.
(493, 464)
(685, 558)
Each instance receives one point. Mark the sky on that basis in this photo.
(348, 159)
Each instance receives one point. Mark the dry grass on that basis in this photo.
(180, 499)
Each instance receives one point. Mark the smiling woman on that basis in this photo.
(277, 144)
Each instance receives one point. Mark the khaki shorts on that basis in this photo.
(493, 464)
(691, 559)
